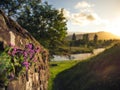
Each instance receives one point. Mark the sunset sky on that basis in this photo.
(90, 15)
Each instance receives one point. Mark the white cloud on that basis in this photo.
(98, 20)
(66, 13)
(86, 15)
(85, 19)
(79, 19)
(83, 4)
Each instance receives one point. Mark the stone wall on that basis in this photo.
(12, 33)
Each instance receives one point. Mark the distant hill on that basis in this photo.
(101, 72)
(101, 36)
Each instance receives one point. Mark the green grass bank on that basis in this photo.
(58, 67)
(101, 72)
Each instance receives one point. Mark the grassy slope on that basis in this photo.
(55, 70)
(99, 73)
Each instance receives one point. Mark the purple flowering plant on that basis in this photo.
(14, 61)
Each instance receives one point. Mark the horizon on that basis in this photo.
(71, 33)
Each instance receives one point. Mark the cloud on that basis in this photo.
(99, 21)
(90, 17)
(83, 4)
(79, 19)
(66, 14)
(83, 18)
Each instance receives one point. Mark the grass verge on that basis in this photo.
(58, 67)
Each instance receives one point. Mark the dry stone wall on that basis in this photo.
(36, 78)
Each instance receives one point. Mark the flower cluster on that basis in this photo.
(16, 60)
(24, 57)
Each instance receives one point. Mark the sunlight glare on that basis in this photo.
(114, 27)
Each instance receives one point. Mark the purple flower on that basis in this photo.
(29, 46)
(14, 51)
(25, 54)
(31, 53)
(25, 58)
(26, 64)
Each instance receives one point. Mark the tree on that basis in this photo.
(10, 7)
(86, 38)
(14, 7)
(73, 42)
(73, 37)
(95, 38)
(46, 24)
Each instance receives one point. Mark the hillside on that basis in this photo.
(101, 36)
(101, 72)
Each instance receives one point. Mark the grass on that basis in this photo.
(58, 67)
(101, 72)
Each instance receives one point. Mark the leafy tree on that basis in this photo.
(74, 37)
(10, 6)
(86, 38)
(46, 24)
(73, 42)
(95, 38)
(14, 7)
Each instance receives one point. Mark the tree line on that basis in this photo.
(86, 42)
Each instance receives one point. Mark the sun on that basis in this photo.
(114, 27)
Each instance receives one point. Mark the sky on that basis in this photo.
(90, 15)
